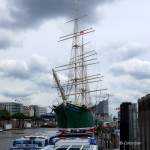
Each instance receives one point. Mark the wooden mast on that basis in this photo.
(79, 62)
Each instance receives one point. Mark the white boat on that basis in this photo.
(30, 143)
(62, 140)
(72, 141)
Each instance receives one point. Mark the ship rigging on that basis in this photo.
(75, 92)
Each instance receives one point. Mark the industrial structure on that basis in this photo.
(102, 107)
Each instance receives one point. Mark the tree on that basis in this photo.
(19, 116)
(4, 115)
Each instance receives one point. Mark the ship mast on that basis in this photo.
(75, 48)
(78, 85)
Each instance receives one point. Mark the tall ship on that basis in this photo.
(74, 110)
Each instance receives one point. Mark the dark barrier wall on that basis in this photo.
(124, 125)
(144, 122)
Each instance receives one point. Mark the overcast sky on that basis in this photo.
(30, 29)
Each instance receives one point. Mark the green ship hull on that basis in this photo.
(72, 116)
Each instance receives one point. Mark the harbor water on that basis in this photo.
(7, 137)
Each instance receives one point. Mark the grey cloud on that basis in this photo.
(24, 69)
(131, 52)
(14, 69)
(127, 88)
(29, 13)
(38, 63)
(16, 94)
(128, 84)
(136, 68)
(6, 41)
(36, 71)
(43, 81)
(125, 51)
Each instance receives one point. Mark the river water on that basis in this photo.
(7, 137)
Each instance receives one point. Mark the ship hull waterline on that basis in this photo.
(72, 116)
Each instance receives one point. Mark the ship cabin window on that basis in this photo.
(26, 142)
(17, 143)
(63, 147)
(20, 142)
(39, 143)
(86, 147)
(75, 147)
